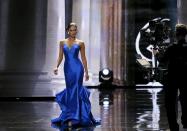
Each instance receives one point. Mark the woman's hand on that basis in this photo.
(55, 71)
(86, 77)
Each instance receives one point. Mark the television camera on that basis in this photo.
(158, 34)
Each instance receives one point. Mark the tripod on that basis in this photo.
(154, 74)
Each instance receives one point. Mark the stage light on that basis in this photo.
(106, 76)
(106, 98)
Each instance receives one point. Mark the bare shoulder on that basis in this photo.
(62, 42)
(80, 42)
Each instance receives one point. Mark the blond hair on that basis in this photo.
(181, 29)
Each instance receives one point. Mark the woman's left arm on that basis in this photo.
(84, 60)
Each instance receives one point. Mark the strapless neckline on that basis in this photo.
(69, 47)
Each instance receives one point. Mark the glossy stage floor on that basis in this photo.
(120, 109)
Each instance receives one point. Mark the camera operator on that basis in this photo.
(175, 57)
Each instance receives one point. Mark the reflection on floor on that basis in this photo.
(119, 109)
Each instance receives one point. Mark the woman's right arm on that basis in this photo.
(60, 57)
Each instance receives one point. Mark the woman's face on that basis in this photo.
(72, 31)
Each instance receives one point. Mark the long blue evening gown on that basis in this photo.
(74, 100)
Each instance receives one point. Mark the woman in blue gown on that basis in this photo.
(74, 100)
